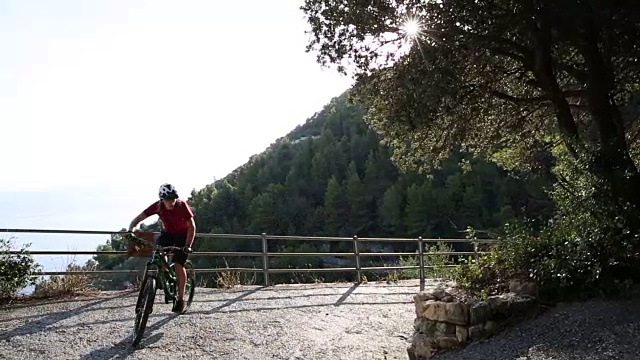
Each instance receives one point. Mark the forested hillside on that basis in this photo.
(332, 177)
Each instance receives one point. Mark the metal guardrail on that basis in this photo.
(265, 254)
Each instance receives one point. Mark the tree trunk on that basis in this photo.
(613, 162)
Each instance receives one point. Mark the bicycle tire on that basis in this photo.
(147, 295)
(190, 283)
(141, 292)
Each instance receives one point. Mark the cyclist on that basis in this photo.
(179, 229)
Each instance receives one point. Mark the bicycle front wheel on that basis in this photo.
(144, 307)
(190, 284)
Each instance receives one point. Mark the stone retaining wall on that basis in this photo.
(446, 319)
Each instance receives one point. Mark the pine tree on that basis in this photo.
(334, 208)
(391, 211)
(358, 215)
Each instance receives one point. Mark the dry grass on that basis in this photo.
(66, 285)
(229, 279)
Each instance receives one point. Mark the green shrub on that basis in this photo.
(439, 263)
(16, 270)
(437, 266)
(591, 246)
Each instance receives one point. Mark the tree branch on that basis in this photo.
(517, 100)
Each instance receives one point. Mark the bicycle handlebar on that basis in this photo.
(169, 248)
(161, 248)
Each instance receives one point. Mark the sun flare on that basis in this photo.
(411, 27)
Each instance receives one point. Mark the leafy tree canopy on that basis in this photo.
(507, 79)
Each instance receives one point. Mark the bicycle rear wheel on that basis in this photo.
(144, 307)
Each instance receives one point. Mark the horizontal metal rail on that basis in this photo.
(249, 236)
(420, 253)
(255, 270)
(247, 254)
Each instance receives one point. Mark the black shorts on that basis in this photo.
(167, 239)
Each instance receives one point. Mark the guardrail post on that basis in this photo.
(265, 259)
(475, 251)
(356, 252)
(421, 259)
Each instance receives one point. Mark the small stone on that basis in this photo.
(447, 342)
(521, 304)
(454, 312)
(439, 293)
(422, 346)
(411, 353)
(490, 327)
(423, 296)
(476, 332)
(479, 313)
(445, 328)
(425, 326)
(523, 287)
(462, 334)
(499, 304)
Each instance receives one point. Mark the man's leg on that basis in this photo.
(179, 259)
(164, 240)
(182, 280)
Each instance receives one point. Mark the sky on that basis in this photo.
(102, 101)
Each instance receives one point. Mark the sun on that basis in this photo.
(411, 28)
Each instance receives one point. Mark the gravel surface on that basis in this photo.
(593, 330)
(322, 321)
(318, 321)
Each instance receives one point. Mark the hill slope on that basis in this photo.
(332, 177)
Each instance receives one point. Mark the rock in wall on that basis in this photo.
(446, 319)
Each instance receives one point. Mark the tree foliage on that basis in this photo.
(507, 79)
(538, 85)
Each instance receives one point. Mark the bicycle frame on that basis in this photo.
(168, 284)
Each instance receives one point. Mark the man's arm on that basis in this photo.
(191, 232)
(137, 220)
(191, 223)
(149, 211)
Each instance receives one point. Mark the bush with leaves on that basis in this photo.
(588, 249)
(16, 270)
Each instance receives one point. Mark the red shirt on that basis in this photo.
(175, 220)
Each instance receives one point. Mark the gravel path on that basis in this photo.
(320, 321)
(593, 330)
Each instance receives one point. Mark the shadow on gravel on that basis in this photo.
(102, 322)
(339, 302)
(346, 294)
(102, 308)
(236, 299)
(123, 348)
(33, 302)
(48, 320)
(284, 297)
(288, 307)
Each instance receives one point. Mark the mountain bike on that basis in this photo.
(155, 277)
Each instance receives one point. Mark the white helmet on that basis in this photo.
(167, 192)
